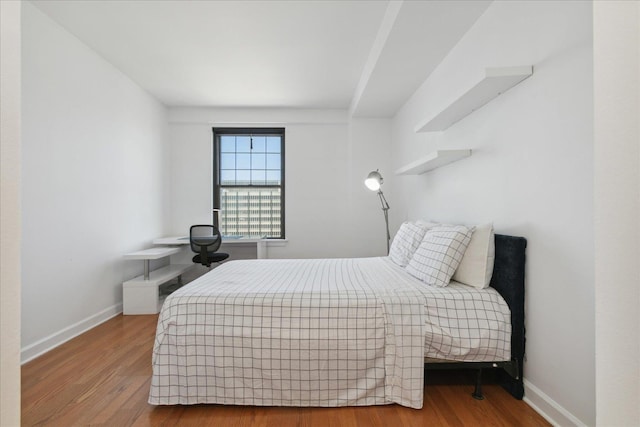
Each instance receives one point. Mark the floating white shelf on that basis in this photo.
(496, 81)
(432, 161)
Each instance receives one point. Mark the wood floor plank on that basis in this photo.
(102, 378)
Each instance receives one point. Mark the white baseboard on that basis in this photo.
(46, 344)
(549, 408)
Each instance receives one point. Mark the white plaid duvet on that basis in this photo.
(324, 332)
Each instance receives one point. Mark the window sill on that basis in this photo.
(276, 242)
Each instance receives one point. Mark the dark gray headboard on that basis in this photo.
(508, 280)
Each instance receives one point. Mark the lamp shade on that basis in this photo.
(373, 181)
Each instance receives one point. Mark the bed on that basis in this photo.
(332, 332)
(508, 278)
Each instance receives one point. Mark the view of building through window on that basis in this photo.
(251, 212)
(248, 174)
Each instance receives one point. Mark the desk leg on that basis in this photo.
(146, 269)
(261, 250)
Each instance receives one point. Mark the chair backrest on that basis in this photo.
(204, 237)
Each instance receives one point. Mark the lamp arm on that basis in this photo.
(383, 200)
(385, 210)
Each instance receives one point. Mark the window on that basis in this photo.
(248, 174)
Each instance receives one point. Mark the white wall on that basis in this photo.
(93, 182)
(617, 211)
(530, 173)
(10, 213)
(328, 211)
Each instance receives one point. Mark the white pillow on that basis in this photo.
(439, 254)
(426, 224)
(405, 242)
(476, 266)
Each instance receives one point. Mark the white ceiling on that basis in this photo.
(369, 56)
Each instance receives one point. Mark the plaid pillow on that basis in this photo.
(406, 241)
(439, 254)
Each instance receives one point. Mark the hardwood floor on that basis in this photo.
(102, 378)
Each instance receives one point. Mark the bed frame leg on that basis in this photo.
(477, 393)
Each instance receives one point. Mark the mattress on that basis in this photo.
(326, 332)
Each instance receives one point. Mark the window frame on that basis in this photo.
(221, 131)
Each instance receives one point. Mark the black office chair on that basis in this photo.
(205, 240)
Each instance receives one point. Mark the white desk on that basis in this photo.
(141, 295)
(261, 244)
(149, 254)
